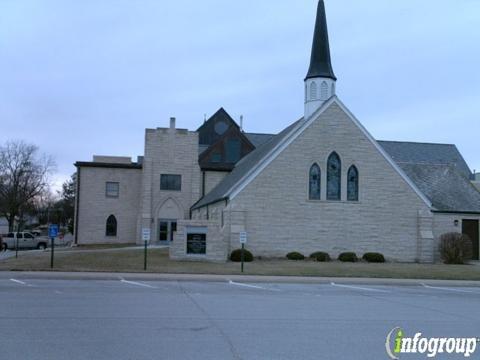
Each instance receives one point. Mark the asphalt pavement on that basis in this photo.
(122, 318)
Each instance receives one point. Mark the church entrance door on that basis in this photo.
(166, 230)
(470, 228)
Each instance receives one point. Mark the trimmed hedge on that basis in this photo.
(373, 257)
(295, 256)
(320, 256)
(236, 256)
(348, 257)
(455, 248)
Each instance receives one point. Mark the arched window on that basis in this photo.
(334, 177)
(352, 184)
(313, 91)
(314, 183)
(324, 91)
(111, 229)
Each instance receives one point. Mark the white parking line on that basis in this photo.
(251, 286)
(448, 289)
(137, 284)
(18, 282)
(358, 288)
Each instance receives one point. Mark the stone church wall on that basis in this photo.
(95, 207)
(175, 152)
(280, 218)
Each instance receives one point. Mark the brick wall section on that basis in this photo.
(217, 246)
(279, 217)
(168, 151)
(95, 207)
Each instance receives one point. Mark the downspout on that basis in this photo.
(77, 205)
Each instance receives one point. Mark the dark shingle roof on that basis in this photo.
(447, 189)
(243, 167)
(438, 170)
(259, 139)
(425, 153)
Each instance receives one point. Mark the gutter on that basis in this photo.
(456, 212)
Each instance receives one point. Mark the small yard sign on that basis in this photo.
(243, 237)
(146, 234)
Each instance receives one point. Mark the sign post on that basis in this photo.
(16, 243)
(146, 239)
(52, 234)
(243, 241)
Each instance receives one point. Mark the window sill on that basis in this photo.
(333, 201)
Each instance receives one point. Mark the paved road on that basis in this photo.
(114, 319)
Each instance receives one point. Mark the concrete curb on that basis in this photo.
(40, 275)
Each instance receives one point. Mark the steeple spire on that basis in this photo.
(320, 62)
(320, 79)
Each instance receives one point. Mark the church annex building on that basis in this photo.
(322, 184)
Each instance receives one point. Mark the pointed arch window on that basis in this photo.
(334, 177)
(111, 228)
(313, 91)
(314, 183)
(352, 184)
(324, 91)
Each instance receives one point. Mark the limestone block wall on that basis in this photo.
(212, 179)
(173, 152)
(426, 243)
(280, 218)
(95, 207)
(217, 246)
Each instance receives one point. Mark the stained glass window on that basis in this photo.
(352, 186)
(314, 192)
(334, 177)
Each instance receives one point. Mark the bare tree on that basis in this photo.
(24, 176)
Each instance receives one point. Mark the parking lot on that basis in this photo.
(126, 319)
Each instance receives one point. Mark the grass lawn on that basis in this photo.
(158, 262)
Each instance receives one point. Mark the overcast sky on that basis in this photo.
(79, 78)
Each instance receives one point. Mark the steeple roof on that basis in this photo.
(320, 62)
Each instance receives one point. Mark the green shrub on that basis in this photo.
(373, 257)
(320, 256)
(348, 257)
(295, 256)
(236, 256)
(455, 248)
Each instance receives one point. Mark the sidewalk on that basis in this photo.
(226, 278)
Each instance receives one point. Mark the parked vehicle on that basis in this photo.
(24, 240)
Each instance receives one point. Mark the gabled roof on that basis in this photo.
(215, 127)
(249, 167)
(436, 172)
(445, 186)
(243, 167)
(425, 153)
(221, 149)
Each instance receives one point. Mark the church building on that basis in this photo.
(322, 184)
